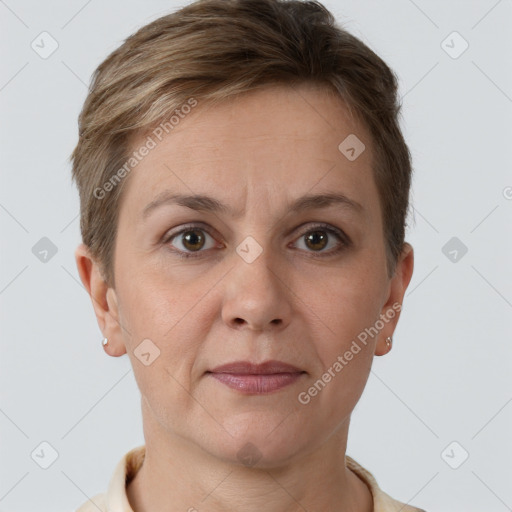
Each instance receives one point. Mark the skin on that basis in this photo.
(297, 302)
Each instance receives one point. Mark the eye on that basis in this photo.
(191, 240)
(322, 239)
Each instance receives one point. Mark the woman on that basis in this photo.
(244, 185)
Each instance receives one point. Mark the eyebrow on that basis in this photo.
(205, 203)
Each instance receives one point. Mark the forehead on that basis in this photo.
(282, 141)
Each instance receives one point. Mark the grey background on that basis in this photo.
(448, 376)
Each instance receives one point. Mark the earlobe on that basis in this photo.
(104, 300)
(397, 287)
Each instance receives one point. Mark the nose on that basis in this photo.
(256, 296)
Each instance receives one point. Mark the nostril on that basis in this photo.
(241, 321)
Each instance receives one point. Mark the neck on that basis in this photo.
(180, 476)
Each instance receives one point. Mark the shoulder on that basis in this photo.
(95, 504)
(115, 497)
(382, 501)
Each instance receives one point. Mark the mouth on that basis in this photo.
(256, 379)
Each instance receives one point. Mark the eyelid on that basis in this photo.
(311, 226)
(170, 234)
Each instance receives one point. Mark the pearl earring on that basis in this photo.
(104, 342)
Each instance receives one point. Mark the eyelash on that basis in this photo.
(344, 240)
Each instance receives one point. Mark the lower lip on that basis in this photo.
(257, 384)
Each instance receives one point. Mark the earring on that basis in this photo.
(104, 342)
(389, 340)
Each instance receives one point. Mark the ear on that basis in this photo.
(398, 284)
(104, 300)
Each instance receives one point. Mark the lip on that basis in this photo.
(248, 368)
(256, 379)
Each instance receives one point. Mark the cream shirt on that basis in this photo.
(115, 499)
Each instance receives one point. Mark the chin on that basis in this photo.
(262, 440)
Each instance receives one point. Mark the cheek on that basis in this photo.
(175, 322)
(174, 315)
(153, 303)
(349, 305)
(345, 300)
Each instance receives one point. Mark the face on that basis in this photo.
(246, 236)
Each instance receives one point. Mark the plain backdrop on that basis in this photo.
(434, 422)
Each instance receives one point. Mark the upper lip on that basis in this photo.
(248, 368)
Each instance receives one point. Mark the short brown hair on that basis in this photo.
(211, 50)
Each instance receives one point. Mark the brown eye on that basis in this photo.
(322, 240)
(316, 240)
(193, 239)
